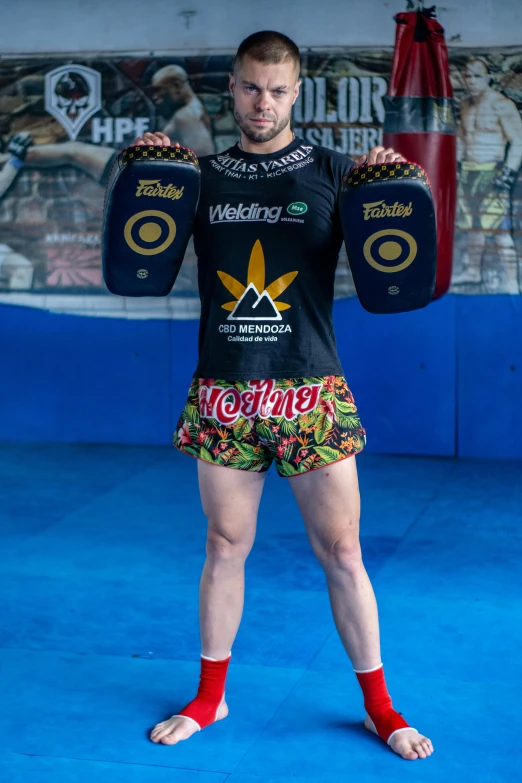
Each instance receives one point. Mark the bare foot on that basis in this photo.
(408, 743)
(176, 729)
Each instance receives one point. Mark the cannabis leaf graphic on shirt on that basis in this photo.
(256, 277)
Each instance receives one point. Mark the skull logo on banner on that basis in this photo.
(72, 96)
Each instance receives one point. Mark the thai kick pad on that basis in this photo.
(389, 229)
(150, 206)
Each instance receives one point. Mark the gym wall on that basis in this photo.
(80, 365)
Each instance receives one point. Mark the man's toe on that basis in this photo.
(158, 734)
(170, 739)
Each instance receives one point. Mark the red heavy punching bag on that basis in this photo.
(420, 121)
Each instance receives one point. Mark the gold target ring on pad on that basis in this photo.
(150, 232)
(390, 250)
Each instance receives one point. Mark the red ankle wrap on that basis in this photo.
(378, 704)
(203, 709)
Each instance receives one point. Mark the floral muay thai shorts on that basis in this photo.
(300, 423)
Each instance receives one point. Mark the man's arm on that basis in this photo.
(87, 157)
(170, 128)
(17, 147)
(461, 132)
(7, 176)
(511, 124)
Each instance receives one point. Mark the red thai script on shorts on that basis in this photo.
(228, 404)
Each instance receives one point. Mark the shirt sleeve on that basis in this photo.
(341, 165)
(344, 165)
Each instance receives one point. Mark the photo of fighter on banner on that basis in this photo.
(62, 127)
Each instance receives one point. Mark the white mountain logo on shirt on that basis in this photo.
(254, 306)
(254, 302)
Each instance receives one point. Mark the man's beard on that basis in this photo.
(258, 137)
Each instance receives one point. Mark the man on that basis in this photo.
(267, 236)
(16, 271)
(188, 121)
(490, 154)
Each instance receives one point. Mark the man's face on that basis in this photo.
(167, 95)
(263, 98)
(476, 78)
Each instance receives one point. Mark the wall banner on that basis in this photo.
(63, 123)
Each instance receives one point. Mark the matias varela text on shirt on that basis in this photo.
(240, 167)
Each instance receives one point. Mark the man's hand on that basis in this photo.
(18, 145)
(150, 139)
(379, 155)
(506, 179)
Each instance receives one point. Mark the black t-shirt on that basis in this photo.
(267, 237)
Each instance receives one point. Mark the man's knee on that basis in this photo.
(505, 241)
(16, 268)
(343, 553)
(225, 546)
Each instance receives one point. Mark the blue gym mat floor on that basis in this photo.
(102, 549)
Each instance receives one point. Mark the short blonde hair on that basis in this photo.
(269, 47)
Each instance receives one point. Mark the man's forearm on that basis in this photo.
(514, 156)
(48, 155)
(7, 176)
(87, 157)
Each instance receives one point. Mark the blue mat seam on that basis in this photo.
(116, 763)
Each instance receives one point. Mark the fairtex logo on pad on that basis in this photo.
(379, 209)
(251, 213)
(153, 187)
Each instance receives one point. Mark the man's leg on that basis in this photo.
(508, 261)
(330, 505)
(471, 269)
(230, 501)
(16, 269)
